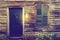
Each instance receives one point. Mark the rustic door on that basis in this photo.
(15, 21)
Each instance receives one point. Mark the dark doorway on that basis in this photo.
(15, 22)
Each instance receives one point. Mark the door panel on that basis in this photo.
(15, 23)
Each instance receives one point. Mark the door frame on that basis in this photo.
(8, 33)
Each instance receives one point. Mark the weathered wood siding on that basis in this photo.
(28, 8)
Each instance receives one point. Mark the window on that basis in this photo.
(42, 18)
